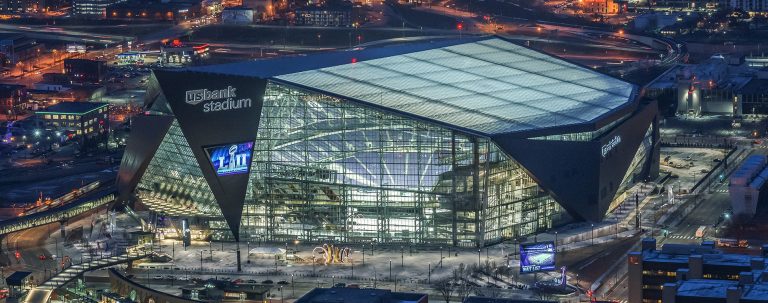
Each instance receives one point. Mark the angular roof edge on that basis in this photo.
(273, 68)
(267, 68)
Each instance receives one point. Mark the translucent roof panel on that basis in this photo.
(488, 86)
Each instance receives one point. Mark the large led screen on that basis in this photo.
(230, 159)
(535, 257)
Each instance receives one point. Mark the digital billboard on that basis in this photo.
(230, 159)
(535, 257)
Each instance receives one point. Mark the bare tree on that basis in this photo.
(444, 287)
(488, 292)
(464, 289)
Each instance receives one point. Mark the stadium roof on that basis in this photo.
(487, 85)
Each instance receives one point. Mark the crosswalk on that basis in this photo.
(682, 237)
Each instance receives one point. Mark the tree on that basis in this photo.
(464, 289)
(444, 287)
(488, 292)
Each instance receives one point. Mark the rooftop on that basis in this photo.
(474, 299)
(679, 253)
(485, 86)
(72, 108)
(8, 90)
(361, 295)
(700, 288)
(17, 278)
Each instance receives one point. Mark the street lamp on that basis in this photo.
(593, 233)
(478, 258)
(429, 273)
(390, 269)
(293, 289)
(441, 257)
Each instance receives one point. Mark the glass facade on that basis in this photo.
(173, 183)
(634, 172)
(325, 169)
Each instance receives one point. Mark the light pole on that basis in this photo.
(201, 260)
(429, 273)
(390, 269)
(293, 289)
(441, 257)
(281, 294)
(593, 233)
(313, 265)
(478, 258)
(555, 240)
(402, 257)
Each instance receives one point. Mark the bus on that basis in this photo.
(732, 243)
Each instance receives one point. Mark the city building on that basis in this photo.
(213, 290)
(719, 85)
(176, 53)
(80, 120)
(13, 99)
(332, 13)
(18, 49)
(360, 295)
(473, 299)
(92, 9)
(752, 287)
(19, 283)
(237, 15)
(155, 10)
(746, 188)
(18, 7)
(84, 71)
(461, 142)
(608, 7)
(264, 9)
(750, 6)
(650, 269)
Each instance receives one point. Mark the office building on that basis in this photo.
(81, 120)
(13, 99)
(84, 71)
(92, 9)
(651, 269)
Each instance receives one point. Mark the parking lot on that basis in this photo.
(688, 164)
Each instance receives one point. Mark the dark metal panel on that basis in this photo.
(216, 110)
(576, 173)
(147, 132)
(568, 170)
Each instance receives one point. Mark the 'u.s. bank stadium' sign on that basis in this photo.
(610, 145)
(217, 100)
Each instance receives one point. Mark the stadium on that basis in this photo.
(464, 142)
